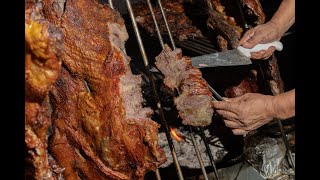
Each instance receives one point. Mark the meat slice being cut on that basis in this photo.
(100, 128)
(180, 25)
(42, 46)
(195, 100)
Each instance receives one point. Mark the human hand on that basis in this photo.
(246, 113)
(261, 34)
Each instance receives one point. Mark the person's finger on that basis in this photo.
(228, 115)
(258, 55)
(269, 52)
(224, 105)
(239, 132)
(263, 54)
(233, 124)
(254, 40)
(246, 36)
(235, 99)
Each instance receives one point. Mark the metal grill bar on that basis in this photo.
(155, 24)
(162, 117)
(197, 46)
(167, 25)
(110, 4)
(198, 154)
(209, 153)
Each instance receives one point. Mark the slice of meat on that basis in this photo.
(254, 10)
(99, 122)
(180, 25)
(224, 24)
(42, 46)
(195, 100)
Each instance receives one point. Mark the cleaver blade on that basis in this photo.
(234, 57)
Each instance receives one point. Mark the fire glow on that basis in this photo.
(176, 136)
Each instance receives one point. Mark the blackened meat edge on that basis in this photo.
(195, 100)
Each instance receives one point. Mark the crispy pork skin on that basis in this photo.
(100, 128)
(180, 25)
(42, 46)
(194, 102)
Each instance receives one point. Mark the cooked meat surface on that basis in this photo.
(195, 100)
(100, 128)
(254, 9)
(223, 23)
(42, 46)
(180, 25)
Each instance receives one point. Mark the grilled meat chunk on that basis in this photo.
(180, 25)
(194, 102)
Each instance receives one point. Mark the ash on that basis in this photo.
(186, 151)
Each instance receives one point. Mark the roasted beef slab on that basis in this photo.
(100, 130)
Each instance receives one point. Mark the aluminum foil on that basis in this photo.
(268, 156)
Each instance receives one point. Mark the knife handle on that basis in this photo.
(277, 44)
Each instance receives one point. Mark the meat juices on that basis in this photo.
(100, 128)
(195, 100)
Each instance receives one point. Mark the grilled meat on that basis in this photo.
(42, 47)
(253, 9)
(194, 102)
(180, 25)
(98, 120)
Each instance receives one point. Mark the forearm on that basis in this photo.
(283, 105)
(284, 16)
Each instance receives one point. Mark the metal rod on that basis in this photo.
(284, 137)
(137, 33)
(208, 46)
(191, 48)
(162, 117)
(155, 24)
(200, 47)
(216, 94)
(167, 25)
(209, 152)
(158, 174)
(205, 39)
(111, 4)
(205, 175)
